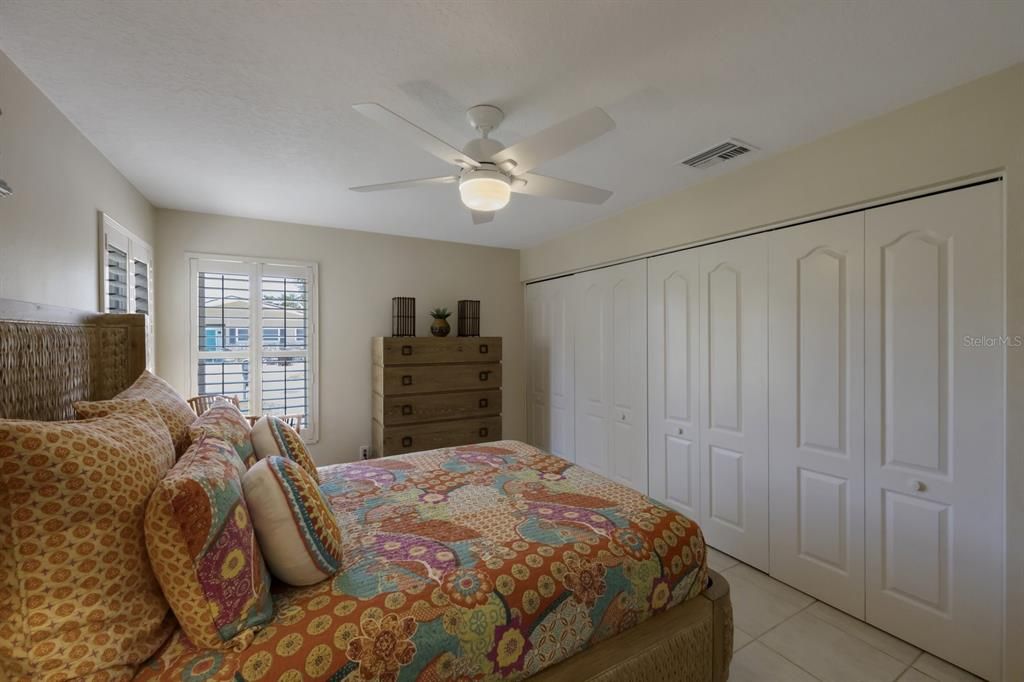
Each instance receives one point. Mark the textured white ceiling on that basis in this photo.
(243, 108)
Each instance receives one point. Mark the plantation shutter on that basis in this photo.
(116, 283)
(223, 303)
(284, 334)
(254, 336)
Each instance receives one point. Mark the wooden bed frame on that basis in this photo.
(50, 357)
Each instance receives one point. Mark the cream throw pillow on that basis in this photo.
(296, 529)
(272, 436)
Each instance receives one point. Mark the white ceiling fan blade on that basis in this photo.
(554, 188)
(557, 140)
(402, 184)
(481, 217)
(425, 140)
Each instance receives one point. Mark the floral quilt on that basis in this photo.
(478, 562)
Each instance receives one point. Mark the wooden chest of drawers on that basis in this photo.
(433, 393)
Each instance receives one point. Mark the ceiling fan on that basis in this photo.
(488, 170)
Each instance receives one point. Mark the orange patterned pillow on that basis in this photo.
(203, 549)
(224, 421)
(77, 594)
(272, 436)
(296, 528)
(173, 409)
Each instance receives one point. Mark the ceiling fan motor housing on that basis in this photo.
(482, 149)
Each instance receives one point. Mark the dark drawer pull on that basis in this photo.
(483, 432)
(406, 350)
(483, 402)
(406, 409)
(484, 376)
(407, 380)
(483, 349)
(406, 441)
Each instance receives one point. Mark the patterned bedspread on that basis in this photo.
(477, 562)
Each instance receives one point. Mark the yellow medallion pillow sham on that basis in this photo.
(172, 408)
(203, 548)
(225, 422)
(273, 436)
(295, 526)
(77, 594)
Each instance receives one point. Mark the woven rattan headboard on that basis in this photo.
(51, 357)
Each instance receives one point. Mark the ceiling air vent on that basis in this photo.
(729, 149)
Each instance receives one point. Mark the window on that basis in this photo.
(253, 335)
(126, 276)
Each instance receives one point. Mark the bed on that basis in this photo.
(494, 561)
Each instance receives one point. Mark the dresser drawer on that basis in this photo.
(389, 351)
(425, 408)
(432, 378)
(395, 440)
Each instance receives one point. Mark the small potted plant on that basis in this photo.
(440, 326)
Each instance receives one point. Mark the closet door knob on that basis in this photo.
(680, 430)
(916, 486)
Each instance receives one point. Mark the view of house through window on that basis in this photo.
(254, 336)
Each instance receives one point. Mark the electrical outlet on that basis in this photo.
(364, 451)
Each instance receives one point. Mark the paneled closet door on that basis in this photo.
(935, 423)
(549, 322)
(673, 377)
(611, 372)
(734, 397)
(816, 365)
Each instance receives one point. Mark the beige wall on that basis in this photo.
(359, 274)
(973, 129)
(49, 244)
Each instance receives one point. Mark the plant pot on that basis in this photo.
(440, 328)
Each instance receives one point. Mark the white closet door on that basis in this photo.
(734, 397)
(816, 365)
(549, 322)
(611, 372)
(935, 423)
(673, 371)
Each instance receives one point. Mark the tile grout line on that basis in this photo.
(779, 653)
(787, 659)
(783, 621)
(895, 679)
(758, 639)
(910, 666)
(870, 644)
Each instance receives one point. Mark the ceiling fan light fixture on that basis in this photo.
(485, 190)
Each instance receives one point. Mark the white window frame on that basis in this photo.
(256, 268)
(113, 233)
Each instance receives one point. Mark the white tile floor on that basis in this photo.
(783, 635)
